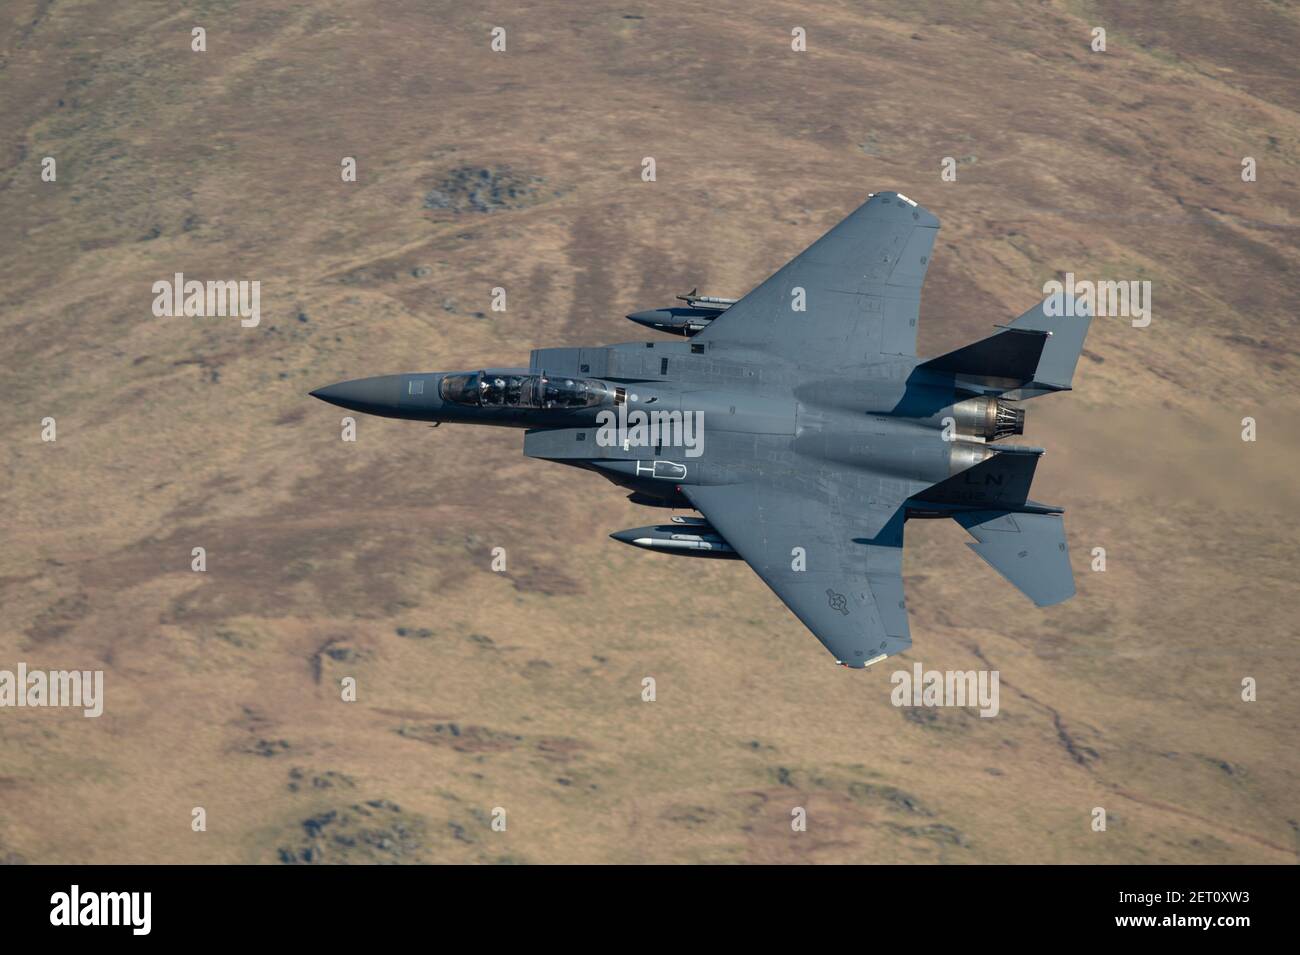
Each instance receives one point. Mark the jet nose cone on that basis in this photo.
(379, 395)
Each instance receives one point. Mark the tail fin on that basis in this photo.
(1067, 325)
(1029, 550)
(1034, 355)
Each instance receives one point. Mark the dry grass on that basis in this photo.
(523, 690)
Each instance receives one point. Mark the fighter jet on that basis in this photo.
(800, 424)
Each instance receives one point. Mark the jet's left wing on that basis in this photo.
(841, 574)
(851, 297)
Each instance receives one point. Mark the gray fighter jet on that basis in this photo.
(800, 424)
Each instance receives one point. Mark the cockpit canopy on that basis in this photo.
(483, 389)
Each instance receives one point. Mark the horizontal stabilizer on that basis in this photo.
(1027, 549)
(1002, 480)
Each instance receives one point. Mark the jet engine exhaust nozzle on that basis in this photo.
(988, 418)
(1008, 420)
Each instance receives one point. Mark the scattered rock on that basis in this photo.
(894, 797)
(375, 831)
(338, 650)
(299, 780)
(467, 739)
(265, 747)
(474, 189)
(421, 633)
(935, 832)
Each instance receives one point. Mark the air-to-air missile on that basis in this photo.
(695, 316)
(685, 536)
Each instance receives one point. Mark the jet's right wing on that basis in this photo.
(842, 576)
(849, 298)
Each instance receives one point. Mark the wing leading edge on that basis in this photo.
(860, 286)
(850, 590)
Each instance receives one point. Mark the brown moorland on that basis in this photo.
(522, 690)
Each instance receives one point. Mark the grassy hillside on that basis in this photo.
(522, 690)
